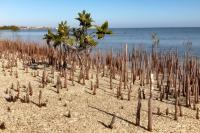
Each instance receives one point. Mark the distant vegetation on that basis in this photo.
(12, 27)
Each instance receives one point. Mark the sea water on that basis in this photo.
(169, 38)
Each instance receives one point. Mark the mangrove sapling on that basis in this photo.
(77, 40)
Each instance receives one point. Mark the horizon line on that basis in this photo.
(148, 27)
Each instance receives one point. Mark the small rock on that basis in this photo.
(121, 107)
(8, 109)
(2, 126)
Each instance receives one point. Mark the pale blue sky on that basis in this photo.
(120, 13)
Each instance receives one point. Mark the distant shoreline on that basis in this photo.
(17, 28)
(12, 28)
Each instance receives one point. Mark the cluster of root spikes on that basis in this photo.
(161, 75)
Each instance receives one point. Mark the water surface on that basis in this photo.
(169, 37)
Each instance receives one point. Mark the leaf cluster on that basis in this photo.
(77, 38)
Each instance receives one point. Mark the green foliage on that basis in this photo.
(90, 41)
(85, 19)
(103, 30)
(63, 29)
(60, 37)
(77, 38)
(49, 36)
(12, 27)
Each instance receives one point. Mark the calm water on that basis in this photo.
(169, 37)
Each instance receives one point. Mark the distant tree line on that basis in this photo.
(12, 27)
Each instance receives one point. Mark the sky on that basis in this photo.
(119, 13)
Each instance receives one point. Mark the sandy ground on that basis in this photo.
(89, 113)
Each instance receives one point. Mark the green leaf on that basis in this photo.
(103, 30)
(85, 19)
(104, 26)
(90, 41)
(49, 36)
(63, 29)
(70, 41)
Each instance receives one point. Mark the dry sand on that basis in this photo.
(89, 113)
